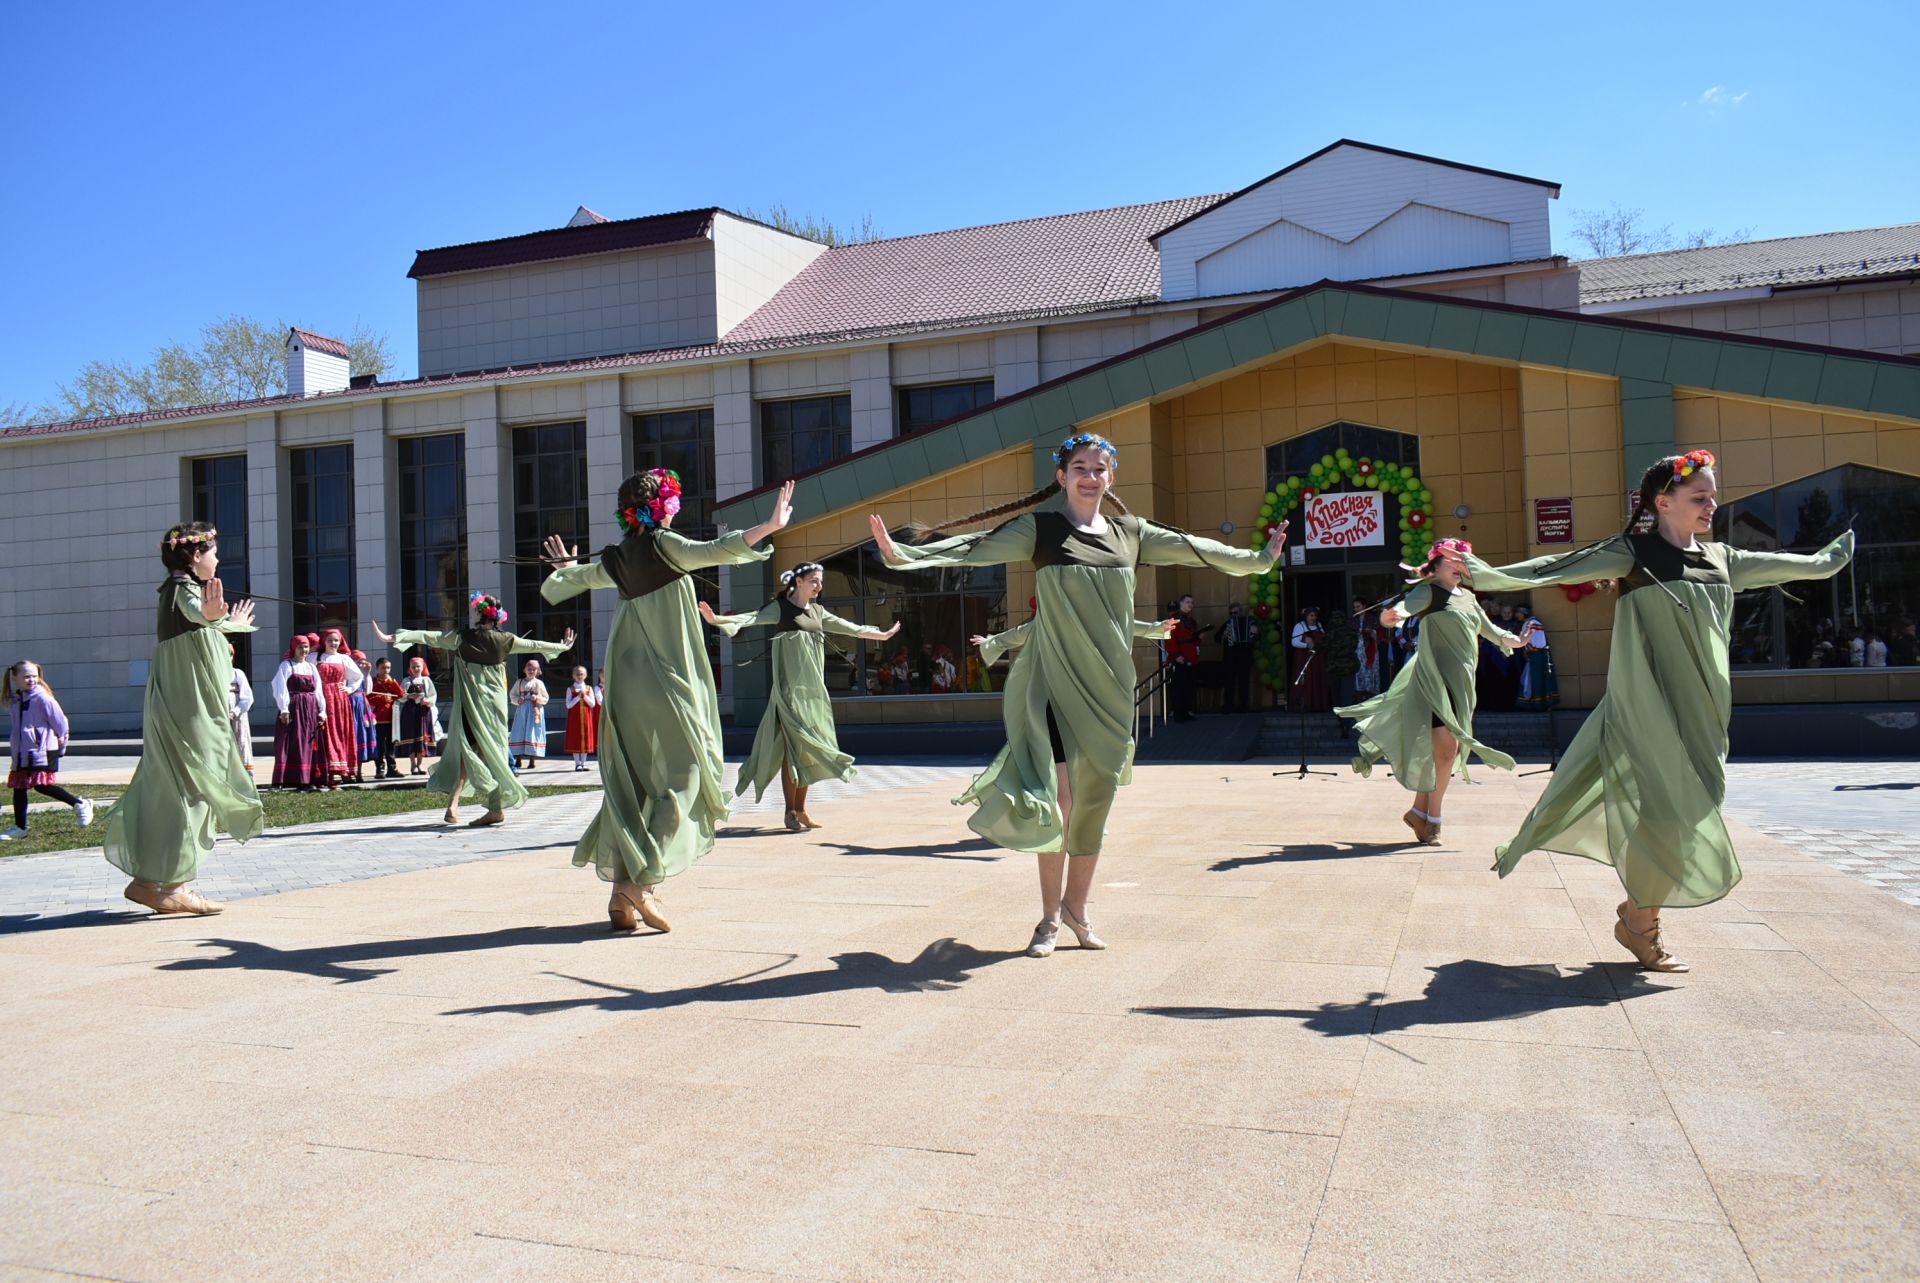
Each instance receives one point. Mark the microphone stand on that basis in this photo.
(1313, 653)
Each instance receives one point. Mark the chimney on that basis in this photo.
(315, 363)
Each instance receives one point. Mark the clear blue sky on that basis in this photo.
(284, 161)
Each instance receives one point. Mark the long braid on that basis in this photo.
(1041, 495)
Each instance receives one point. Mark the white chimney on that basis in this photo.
(315, 363)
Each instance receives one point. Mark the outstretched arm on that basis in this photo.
(732, 549)
(998, 644)
(1765, 569)
(1011, 541)
(765, 617)
(1609, 559)
(847, 628)
(547, 650)
(1165, 546)
(403, 637)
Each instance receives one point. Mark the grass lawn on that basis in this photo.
(54, 830)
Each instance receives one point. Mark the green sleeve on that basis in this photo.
(1765, 569)
(571, 581)
(731, 624)
(534, 646)
(1496, 634)
(1011, 541)
(842, 627)
(1418, 601)
(1152, 629)
(1611, 558)
(422, 637)
(696, 554)
(187, 597)
(1001, 642)
(1165, 546)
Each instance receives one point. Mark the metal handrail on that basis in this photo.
(1152, 693)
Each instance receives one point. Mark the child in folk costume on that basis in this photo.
(1070, 721)
(583, 719)
(1642, 784)
(660, 763)
(796, 739)
(385, 694)
(366, 738)
(1423, 722)
(527, 740)
(476, 745)
(415, 730)
(190, 781)
(339, 678)
(1539, 687)
(239, 706)
(300, 727)
(39, 738)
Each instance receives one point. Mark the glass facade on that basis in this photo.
(432, 497)
(938, 612)
(322, 536)
(683, 441)
(550, 498)
(798, 436)
(220, 497)
(924, 407)
(1865, 616)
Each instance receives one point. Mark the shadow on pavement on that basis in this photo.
(945, 964)
(1312, 851)
(16, 922)
(338, 962)
(1461, 993)
(926, 851)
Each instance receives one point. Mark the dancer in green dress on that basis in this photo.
(1641, 786)
(1007, 640)
(190, 780)
(660, 762)
(796, 740)
(1423, 723)
(475, 752)
(1069, 703)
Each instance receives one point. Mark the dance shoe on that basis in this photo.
(794, 824)
(167, 900)
(1082, 930)
(1422, 830)
(1045, 936)
(488, 820)
(1646, 947)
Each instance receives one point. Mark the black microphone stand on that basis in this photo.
(1313, 653)
(1553, 730)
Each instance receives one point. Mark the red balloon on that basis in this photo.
(1308, 492)
(1033, 603)
(1263, 610)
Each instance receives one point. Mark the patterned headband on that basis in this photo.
(1078, 440)
(1685, 465)
(489, 607)
(787, 577)
(178, 538)
(658, 510)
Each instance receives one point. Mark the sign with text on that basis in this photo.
(1553, 520)
(1351, 520)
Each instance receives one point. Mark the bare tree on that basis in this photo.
(812, 228)
(1614, 231)
(18, 414)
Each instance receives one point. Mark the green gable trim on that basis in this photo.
(1650, 360)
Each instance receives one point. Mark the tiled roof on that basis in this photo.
(1787, 261)
(321, 343)
(1035, 267)
(564, 242)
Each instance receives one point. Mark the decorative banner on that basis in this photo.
(1350, 519)
(1553, 520)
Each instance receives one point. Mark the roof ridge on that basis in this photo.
(1015, 222)
(1765, 240)
(610, 222)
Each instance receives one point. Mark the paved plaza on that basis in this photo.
(1313, 1052)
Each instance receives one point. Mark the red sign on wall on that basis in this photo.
(1553, 520)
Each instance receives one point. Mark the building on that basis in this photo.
(1401, 307)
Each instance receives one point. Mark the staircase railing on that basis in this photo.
(1150, 700)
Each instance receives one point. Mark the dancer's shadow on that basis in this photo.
(338, 962)
(1873, 788)
(925, 851)
(944, 964)
(1461, 993)
(12, 923)
(1311, 851)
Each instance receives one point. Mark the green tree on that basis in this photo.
(812, 228)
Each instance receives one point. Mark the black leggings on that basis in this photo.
(53, 791)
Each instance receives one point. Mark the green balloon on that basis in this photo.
(1326, 460)
(1293, 483)
(1341, 452)
(1426, 497)
(1272, 496)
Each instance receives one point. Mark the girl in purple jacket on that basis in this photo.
(39, 737)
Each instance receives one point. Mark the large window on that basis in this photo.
(433, 536)
(1863, 617)
(323, 539)
(938, 611)
(683, 441)
(550, 498)
(1294, 457)
(220, 497)
(798, 436)
(924, 407)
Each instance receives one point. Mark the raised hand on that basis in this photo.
(883, 539)
(782, 514)
(213, 601)
(1279, 541)
(976, 641)
(706, 612)
(242, 613)
(558, 554)
(1391, 617)
(890, 632)
(567, 639)
(375, 625)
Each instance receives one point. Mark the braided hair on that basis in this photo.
(1062, 455)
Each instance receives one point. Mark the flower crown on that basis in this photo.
(787, 577)
(658, 510)
(178, 538)
(1436, 552)
(1080, 439)
(1685, 465)
(489, 607)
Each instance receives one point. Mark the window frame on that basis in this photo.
(310, 606)
(841, 405)
(904, 423)
(531, 615)
(236, 569)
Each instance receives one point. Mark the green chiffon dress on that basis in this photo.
(190, 780)
(1077, 669)
(1435, 688)
(1012, 639)
(798, 724)
(660, 755)
(1641, 785)
(476, 743)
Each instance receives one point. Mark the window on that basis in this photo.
(798, 436)
(938, 612)
(1293, 457)
(924, 407)
(1863, 617)
(550, 498)
(323, 585)
(682, 441)
(220, 497)
(432, 497)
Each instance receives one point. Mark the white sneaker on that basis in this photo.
(83, 812)
(15, 832)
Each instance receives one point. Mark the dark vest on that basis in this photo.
(171, 622)
(1657, 561)
(798, 619)
(636, 566)
(1441, 598)
(485, 646)
(1057, 543)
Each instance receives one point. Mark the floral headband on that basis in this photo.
(663, 506)
(1437, 551)
(788, 577)
(1075, 442)
(178, 538)
(489, 607)
(1685, 465)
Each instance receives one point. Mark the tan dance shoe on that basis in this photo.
(1647, 947)
(488, 820)
(1082, 931)
(177, 898)
(452, 817)
(1433, 834)
(1422, 830)
(793, 822)
(623, 907)
(650, 911)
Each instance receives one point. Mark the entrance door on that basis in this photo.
(1335, 590)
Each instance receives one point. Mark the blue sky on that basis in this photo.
(284, 162)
